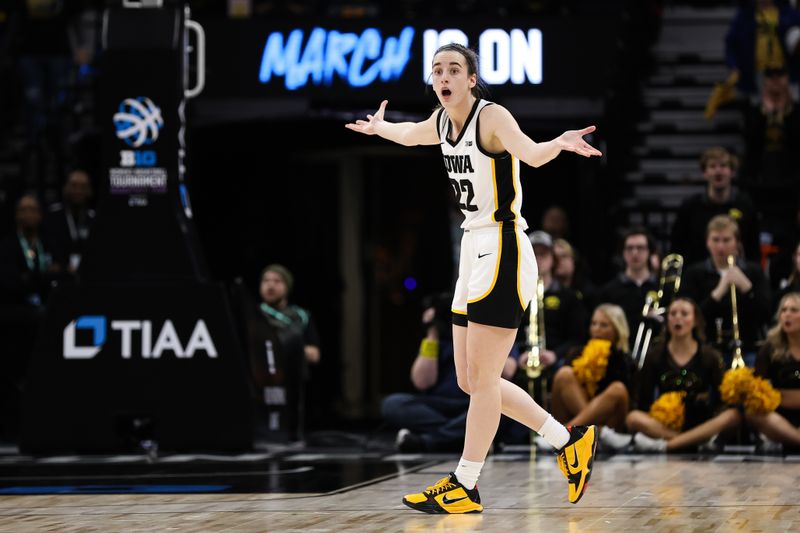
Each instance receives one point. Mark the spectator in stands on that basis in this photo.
(772, 132)
(26, 268)
(791, 283)
(283, 347)
(593, 387)
(763, 35)
(781, 262)
(564, 314)
(276, 285)
(434, 419)
(631, 287)
(771, 170)
(555, 221)
(570, 271)
(25, 276)
(718, 166)
(683, 363)
(44, 40)
(779, 362)
(66, 225)
(709, 283)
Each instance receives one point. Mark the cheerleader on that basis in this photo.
(593, 387)
(685, 365)
(779, 362)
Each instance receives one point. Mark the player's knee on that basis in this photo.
(463, 384)
(473, 374)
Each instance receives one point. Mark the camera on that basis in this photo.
(441, 303)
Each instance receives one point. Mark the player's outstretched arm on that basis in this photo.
(405, 133)
(511, 138)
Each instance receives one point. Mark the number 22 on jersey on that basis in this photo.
(464, 186)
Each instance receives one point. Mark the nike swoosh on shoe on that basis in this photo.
(576, 464)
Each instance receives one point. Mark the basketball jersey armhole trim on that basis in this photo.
(439, 123)
(482, 150)
(494, 190)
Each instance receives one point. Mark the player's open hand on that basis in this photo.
(368, 126)
(572, 141)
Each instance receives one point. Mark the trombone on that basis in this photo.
(738, 360)
(671, 270)
(536, 338)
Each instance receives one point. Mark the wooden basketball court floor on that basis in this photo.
(626, 493)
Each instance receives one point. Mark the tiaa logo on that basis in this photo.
(134, 338)
(138, 121)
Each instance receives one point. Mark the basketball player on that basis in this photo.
(482, 146)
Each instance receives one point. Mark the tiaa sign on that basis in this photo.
(361, 59)
(166, 338)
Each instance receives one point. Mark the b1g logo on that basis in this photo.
(166, 340)
(138, 121)
(137, 158)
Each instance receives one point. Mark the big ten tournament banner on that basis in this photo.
(144, 228)
(330, 62)
(115, 370)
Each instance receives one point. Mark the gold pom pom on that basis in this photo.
(741, 387)
(762, 398)
(592, 364)
(735, 385)
(670, 410)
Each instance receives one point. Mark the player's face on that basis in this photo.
(451, 81)
(273, 288)
(680, 319)
(602, 328)
(721, 244)
(789, 315)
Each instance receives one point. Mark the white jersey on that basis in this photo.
(486, 185)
